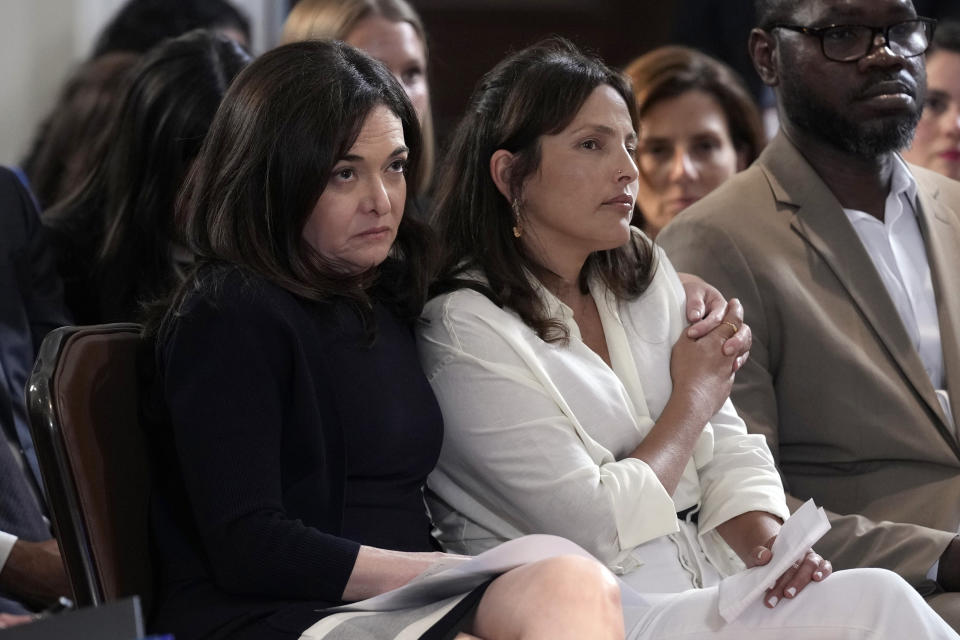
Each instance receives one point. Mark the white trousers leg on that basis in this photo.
(858, 604)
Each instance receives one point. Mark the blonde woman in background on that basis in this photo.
(388, 30)
(698, 126)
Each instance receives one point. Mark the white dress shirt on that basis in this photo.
(537, 434)
(896, 247)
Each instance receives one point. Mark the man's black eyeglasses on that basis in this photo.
(850, 42)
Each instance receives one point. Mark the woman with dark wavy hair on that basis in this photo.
(573, 401)
(292, 423)
(116, 241)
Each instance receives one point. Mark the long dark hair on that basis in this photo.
(127, 205)
(282, 127)
(535, 92)
(140, 25)
(73, 136)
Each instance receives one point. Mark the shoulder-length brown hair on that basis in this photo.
(336, 19)
(281, 128)
(671, 71)
(533, 93)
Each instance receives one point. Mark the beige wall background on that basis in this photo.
(42, 40)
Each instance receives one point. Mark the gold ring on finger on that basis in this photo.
(732, 326)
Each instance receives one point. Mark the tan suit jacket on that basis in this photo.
(833, 380)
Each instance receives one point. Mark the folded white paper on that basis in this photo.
(463, 575)
(799, 532)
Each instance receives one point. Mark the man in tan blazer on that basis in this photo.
(854, 374)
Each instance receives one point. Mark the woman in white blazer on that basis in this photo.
(573, 401)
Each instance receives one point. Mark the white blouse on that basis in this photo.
(537, 434)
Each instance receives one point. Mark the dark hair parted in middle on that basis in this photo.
(535, 92)
(286, 121)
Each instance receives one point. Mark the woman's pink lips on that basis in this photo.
(374, 232)
(953, 155)
(621, 200)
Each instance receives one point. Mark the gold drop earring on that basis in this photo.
(517, 227)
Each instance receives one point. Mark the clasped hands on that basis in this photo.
(708, 311)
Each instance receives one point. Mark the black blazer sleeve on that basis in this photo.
(237, 398)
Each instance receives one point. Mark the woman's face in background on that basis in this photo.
(355, 220)
(397, 45)
(936, 144)
(685, 152)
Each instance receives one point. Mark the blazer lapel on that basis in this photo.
(941, 234)
(820, 221)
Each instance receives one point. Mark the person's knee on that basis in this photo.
(570, 577)
(562, 597)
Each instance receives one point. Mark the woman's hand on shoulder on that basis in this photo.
(706, 309)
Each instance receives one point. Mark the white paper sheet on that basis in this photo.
(463, 576)
(799, 532)
(736, 592)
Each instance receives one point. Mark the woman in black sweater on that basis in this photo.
(293, 426)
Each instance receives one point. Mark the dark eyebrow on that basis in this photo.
(603, 129)
(355, 158)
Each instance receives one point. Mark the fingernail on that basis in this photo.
(772, 602)
(792, 591)
(761, 554)
(818, 575)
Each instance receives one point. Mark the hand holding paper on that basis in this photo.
(797, 535)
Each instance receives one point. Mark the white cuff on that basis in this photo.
(642, 508)
(934, 570)
(6, 546)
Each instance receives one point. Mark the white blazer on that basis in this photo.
(537, 434)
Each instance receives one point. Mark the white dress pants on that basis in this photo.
(679, 587)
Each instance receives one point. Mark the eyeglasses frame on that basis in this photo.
(874, 31)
